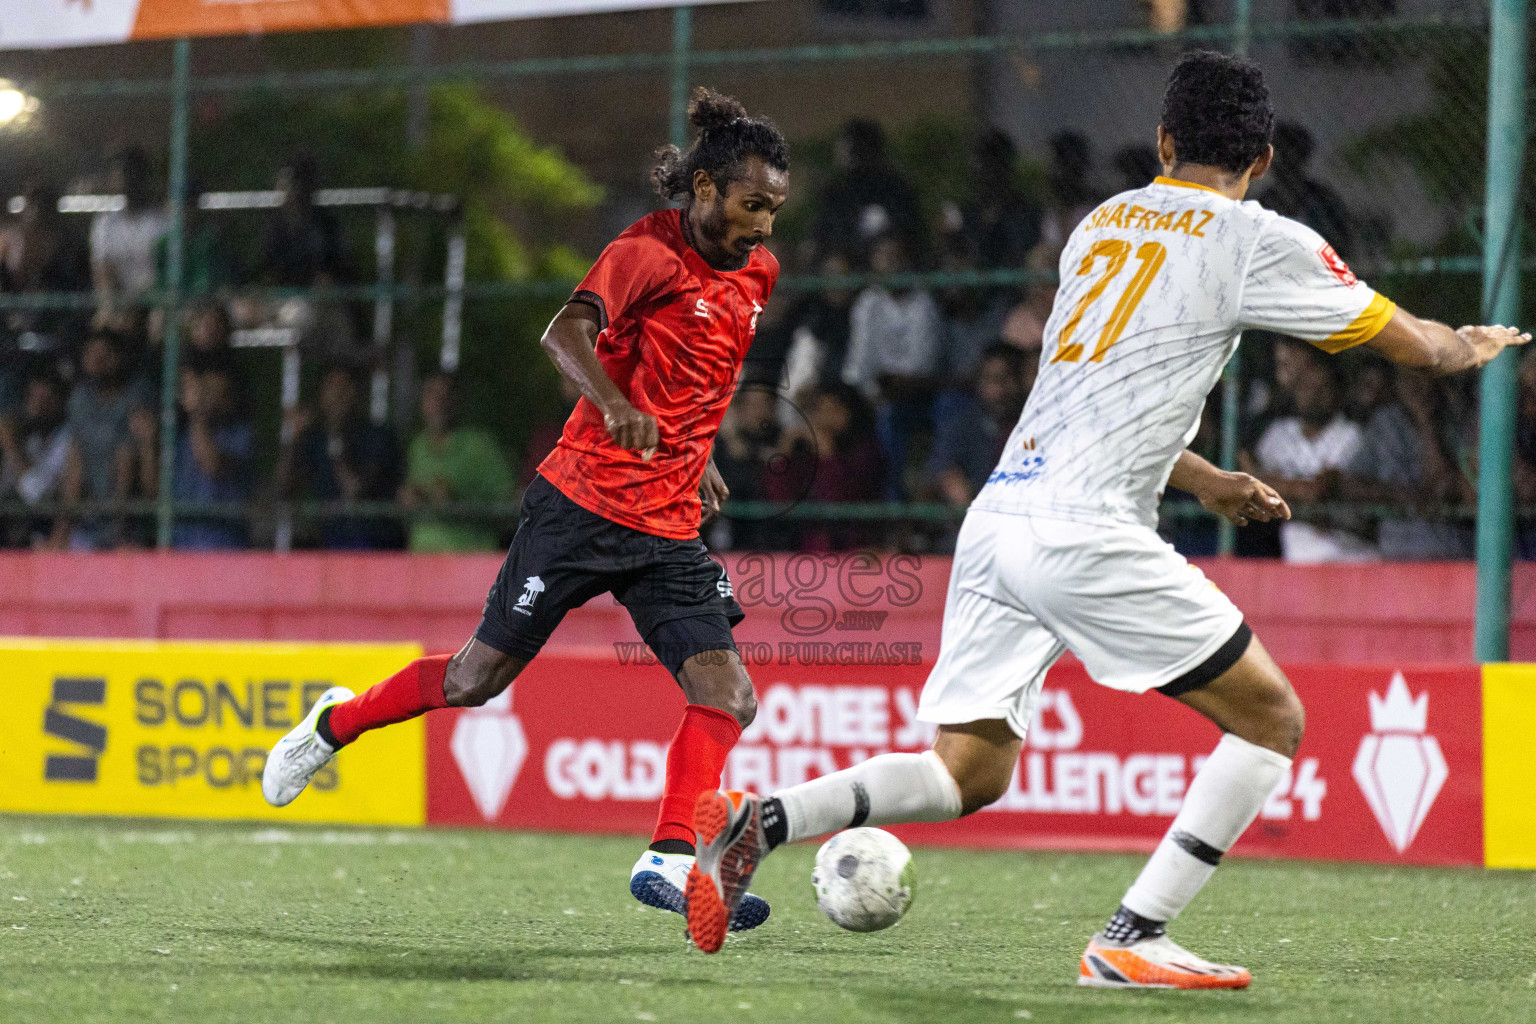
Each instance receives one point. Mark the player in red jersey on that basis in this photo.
(654, 337)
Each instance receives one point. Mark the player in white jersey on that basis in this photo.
(1058, 552)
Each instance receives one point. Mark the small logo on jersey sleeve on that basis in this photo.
(1336, 264)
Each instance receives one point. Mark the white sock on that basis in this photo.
(1220, 804)
(884, 790)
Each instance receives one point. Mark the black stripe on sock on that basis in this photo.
(1196, 848)
(860, 805)
(775, 824)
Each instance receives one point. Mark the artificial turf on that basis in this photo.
(131, 920)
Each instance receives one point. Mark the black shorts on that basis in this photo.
(562, 556)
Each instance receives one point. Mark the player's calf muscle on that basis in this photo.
(478, 673)
(980, 757)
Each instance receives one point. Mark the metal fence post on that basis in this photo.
(453, 300)
(1501, 305)
(383, 315)
(181, 78)
(1231, 395)
(682, 39)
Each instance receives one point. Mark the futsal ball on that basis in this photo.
(864, 879)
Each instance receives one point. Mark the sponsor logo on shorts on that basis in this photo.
(532, 588)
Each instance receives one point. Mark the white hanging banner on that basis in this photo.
(52, 23)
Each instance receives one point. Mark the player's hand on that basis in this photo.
(1488, 342)
(712, 491)
(1239, 498)
(630, 428)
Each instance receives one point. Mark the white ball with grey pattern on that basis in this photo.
(864, 879)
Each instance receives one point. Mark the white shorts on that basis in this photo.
(1024, 589)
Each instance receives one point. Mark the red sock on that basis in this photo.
(414, 690)
(694, 762)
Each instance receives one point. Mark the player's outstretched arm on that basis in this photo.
(1412, 341)
(1237, 497)
(571, 342)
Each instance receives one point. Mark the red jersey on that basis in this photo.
(674, 334)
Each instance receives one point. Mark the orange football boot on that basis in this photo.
(731, 845)
(1153, 963)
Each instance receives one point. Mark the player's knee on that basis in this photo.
(717, 679)
(738, 701)
(1290, 724)
(745, 706)
(1279, 722)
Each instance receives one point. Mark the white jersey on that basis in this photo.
(1157, 284)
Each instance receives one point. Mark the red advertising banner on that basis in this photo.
(1390, 769)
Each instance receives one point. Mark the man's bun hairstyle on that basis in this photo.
(725, 136)
(1217, 109)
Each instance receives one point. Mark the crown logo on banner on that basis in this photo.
(1399, 769)
(1399, 711)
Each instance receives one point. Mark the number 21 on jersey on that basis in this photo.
(1115, 252)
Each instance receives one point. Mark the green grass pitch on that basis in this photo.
(152, 921)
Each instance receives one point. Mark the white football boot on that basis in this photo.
(301, 753)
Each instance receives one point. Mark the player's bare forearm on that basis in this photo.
(1237, 497)
(571, 340)
(712, 490)
(1409, 340)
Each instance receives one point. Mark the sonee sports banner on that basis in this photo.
(54, 23)
(1391, 769)
(1400, 764)
(183, 729)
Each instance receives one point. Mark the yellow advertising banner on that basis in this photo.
(1509, 766)
(182, 730)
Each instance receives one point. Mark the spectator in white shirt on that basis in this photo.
(1303, 456)
(894, 343)
(123, 241)
(34, 449)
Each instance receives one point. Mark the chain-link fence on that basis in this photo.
(942, 152)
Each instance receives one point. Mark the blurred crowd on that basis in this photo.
(80, 388)
(908, 394)
(877, 394)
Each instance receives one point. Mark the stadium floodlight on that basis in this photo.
(15, 106)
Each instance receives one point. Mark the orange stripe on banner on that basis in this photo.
(162, 18)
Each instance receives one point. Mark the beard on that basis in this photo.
(716, 229)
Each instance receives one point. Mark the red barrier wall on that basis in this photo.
(1395, 612)
(1390, 769)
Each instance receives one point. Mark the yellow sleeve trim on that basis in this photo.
(1365, 327)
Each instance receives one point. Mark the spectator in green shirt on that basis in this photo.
(448, 463)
